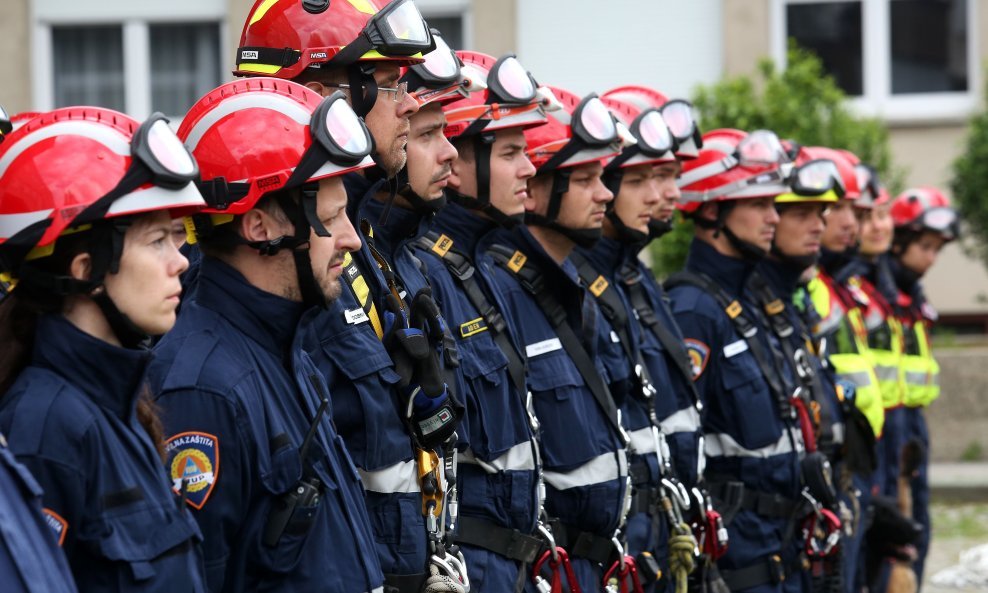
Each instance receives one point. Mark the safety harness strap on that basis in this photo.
(770, 570)
(461, 268)
(531, 279)
(509, 543)
(583, 544)
(748, 330)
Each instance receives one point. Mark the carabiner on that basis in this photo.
(558, 564)
(620, 573)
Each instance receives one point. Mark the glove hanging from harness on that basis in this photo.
(416, 345)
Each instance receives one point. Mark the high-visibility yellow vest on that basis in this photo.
(920, 368)
(847, 347)
(885, 341)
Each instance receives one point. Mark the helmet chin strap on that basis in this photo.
(749, 251)
(585, 238)
(658, 228)
(482, 144)
(612, 181)
(801, 262)
(419, 204)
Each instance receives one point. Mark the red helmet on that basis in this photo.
(734, 165)
(284, 37)
(439, 78)
(80, 165)
(820, 174)
(677, 113)
(581, 132)
(651, 140)
(925, 209)
(258, 135)
(506, 97)
(872, 192)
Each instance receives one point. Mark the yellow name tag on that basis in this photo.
(599, 286)
(442, 245)
(474, 326)
(517, 261)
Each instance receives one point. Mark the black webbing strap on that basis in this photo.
(583, 544)
(461, 268)
(770, 570)
(748, 330)
(531, 278)
(509, 543)
(609, 302)
(646, 314)
(404, 583)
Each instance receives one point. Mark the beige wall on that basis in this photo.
(747, 35)
(494, 29)
(236, 16)
(15, 46)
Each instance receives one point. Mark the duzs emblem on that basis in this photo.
(194, 463)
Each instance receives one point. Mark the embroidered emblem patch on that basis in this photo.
(517, 261)
(474, 326)
(442, 245)
(699, 355)
(195, 462)
(599, 286)
(58, 524)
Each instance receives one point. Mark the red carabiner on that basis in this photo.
(626, 570)
(715, 545)
(557, 566)
(822, 532)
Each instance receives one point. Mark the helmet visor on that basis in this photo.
(678, 115)
(593, 123)
(652, 133)
(441, 66)
(161, 151)
(942, 220)
(402, 28)
(816, 178)
(761, 148)
(509, 82)
(338, 129)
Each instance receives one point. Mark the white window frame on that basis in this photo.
(134, 18)
(877, 99)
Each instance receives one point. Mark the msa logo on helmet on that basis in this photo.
(248, 55)
(317, 55)
(267, 182)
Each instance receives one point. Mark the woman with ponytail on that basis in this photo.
(87, 196)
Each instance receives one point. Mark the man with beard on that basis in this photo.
(753, 443)
(357, 343)
(252, 448)
(498, 471)
(561, 333)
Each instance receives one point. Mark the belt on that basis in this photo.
(770, 570)
(638, 470)
(509, 543)
(735, 496)
(404, 583)
(644, 500)
(584, 544)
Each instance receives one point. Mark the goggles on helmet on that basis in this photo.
(678, 115)
(439, 76)
(6, 126)
(867, 180)
(509, 82)
(761, 148)
(158, 157)
(591, 126)
(739, 189)
(398, 29)
(941, 219)
(816, 178)
(652, 133)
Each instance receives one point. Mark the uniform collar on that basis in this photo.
(463, 226)
(402, 225)
(729, 272)
(110, 375)
(781, 276)
(607, 255)
(266, 318)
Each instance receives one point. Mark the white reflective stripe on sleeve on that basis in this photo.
(685, 420)
(724, 445)
(603, 468)
(838, 430)
(378, 590)
(919, 378)
(400, 477)
(859, 379)
(642, 441)
(887, 373)
(517, 458)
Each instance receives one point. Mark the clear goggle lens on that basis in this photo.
(441, 62)
(166, 148)
(818, 177)
(596, 120)
(653, 132)
(345, 130)
(761, 147)
(514, 81)
(406, 23)
(678, 116)
(943, 220)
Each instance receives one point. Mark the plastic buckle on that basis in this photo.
(776, 570)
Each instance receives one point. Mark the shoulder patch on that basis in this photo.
(699, 355)
(57, 523)
(194, 462)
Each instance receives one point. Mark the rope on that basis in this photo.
(681, 558)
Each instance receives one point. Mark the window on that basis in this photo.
(451, 28)
(88, 66)
(185, 65)
(904, 60)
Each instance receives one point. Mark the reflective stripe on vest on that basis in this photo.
(922, 372)
(685, 420)
(518, 458)
(724, 445)
(600, 469)
(867, 395)
(400, 477)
